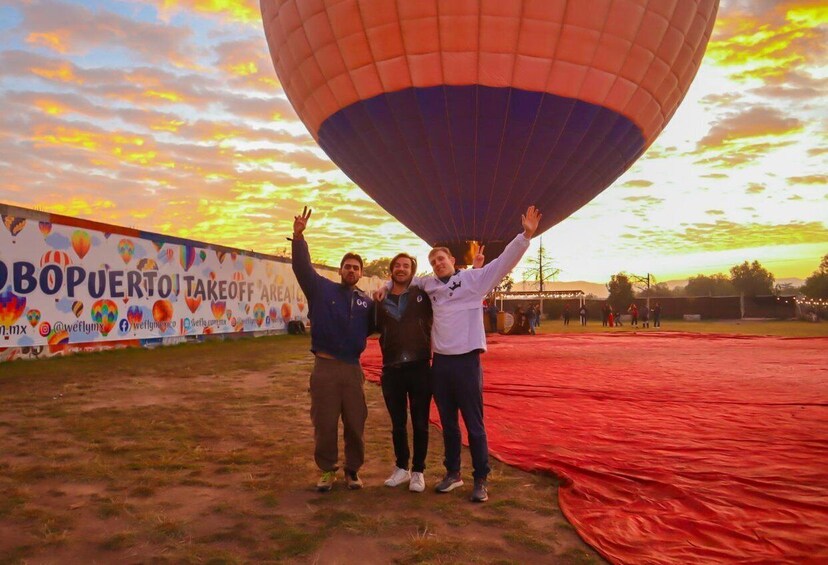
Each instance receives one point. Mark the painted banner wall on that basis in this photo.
(68, 284)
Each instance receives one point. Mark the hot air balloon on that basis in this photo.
(13, 224)
(193, 302)
(187, 256)
(77, 308)
(135, 314)
(58, 341)
(273, 313)
(162, 312)
(33, 316)
(221, 255)
(81, 242)
(218, 308)
(456, 116)
(104, 312)
(147, 265)
(59, 258)
(11, 307)
(248, 265)
(259, 313)
(286, 311)
(126, 249)
(238, 276)
(45, 228)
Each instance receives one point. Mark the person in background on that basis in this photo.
(657, 315)
(566, 314)
(342, 318)
(582, 313)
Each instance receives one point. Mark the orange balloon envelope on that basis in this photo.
(455, 115)
(162, 312)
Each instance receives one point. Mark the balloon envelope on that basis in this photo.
(455, 116)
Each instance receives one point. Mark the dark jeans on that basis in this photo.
(457, 384)
(403, 387)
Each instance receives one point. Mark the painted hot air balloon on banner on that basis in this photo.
(187, 255)
(126, 249)
(455, 116)
(59, 258)
(14, 225)
(45, 228)
(81, 242)
(105, 313)
(33, 316)
(11, 307)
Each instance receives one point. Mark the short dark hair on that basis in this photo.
(350, 255)
(403, 256)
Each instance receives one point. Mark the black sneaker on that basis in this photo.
(450, 482)
(480, 492)
(354, 482)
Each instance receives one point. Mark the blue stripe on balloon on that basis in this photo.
(455, 163)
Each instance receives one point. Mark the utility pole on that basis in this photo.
(644, 280)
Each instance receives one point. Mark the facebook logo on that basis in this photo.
(123, 325)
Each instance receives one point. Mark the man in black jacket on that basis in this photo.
(404, 321)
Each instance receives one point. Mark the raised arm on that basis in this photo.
(486, 278)
(300, 255)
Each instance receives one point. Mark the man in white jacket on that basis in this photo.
(458, 338)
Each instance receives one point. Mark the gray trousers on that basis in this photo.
(336, 390)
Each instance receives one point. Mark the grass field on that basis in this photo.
(203, 454)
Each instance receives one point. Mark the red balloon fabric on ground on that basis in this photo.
(673, 448)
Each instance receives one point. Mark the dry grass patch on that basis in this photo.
(203, 454)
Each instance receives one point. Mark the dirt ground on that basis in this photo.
(203, 454)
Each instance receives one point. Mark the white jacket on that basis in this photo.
(458, 304)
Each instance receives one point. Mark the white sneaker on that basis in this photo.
(417, 483)
(398, 477)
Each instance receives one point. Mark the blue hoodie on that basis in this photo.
(342, 317)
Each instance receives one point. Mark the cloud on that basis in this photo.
(743, 155)
(70, 28)
(637, 183)
(730, 235)
(645, 200)
(758, 121)
(764, 38)
(244, 11)
(755, 188)
(817, 180)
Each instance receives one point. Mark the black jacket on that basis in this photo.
(408, 338)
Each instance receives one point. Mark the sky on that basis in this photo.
(167, 116)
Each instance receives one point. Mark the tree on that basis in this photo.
(541, 268)
(505, 284)
(713, 285)
(816, 286)
(752, 279)
(620, 292)
(377, 268)
(658, 289)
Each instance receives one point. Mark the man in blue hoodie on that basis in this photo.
(341, 319)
